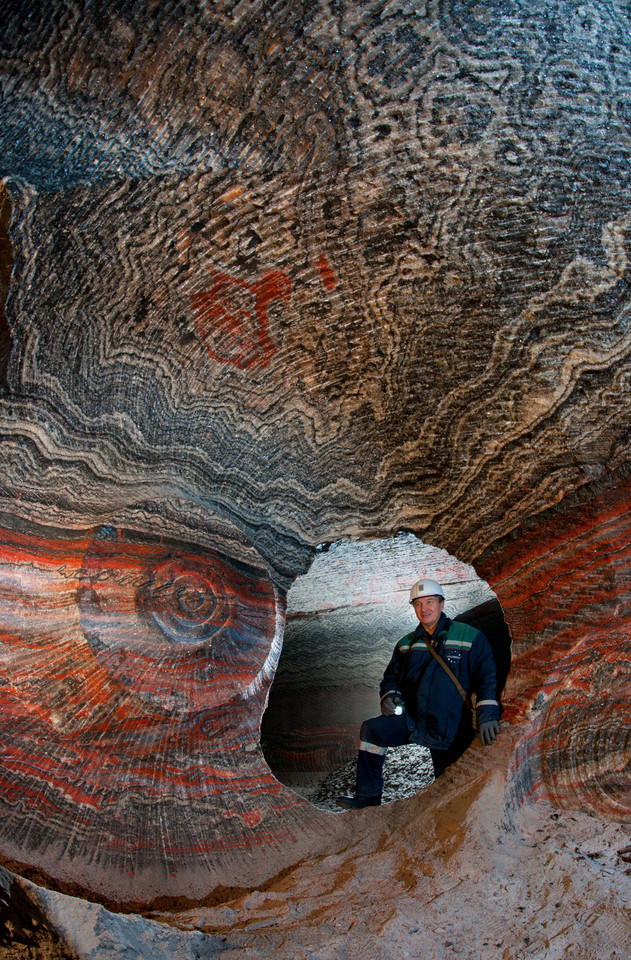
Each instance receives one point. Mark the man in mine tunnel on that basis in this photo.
(440, 677)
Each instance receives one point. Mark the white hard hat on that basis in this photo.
(426, 588)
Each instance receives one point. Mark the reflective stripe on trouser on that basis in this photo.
(372, 748)
(379, 733)
(375, 736)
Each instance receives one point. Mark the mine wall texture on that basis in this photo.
(275, 277)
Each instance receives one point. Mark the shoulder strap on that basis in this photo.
(449, 673)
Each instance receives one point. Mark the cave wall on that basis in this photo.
(285, 274)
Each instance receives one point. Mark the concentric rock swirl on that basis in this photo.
(280, 275)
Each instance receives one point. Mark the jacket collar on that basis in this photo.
(434, 638)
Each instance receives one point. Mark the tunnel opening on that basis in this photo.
(344, 617)
(6, 266)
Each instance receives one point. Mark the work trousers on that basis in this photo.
(379, 733)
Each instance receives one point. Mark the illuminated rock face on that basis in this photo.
(565, 589)
(284, 276)
(135, 677)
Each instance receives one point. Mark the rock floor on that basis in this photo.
(407, 770)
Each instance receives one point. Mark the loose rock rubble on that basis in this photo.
(407, 770)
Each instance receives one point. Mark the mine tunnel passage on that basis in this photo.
(344, 617)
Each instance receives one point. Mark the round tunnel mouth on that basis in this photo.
(344, 617)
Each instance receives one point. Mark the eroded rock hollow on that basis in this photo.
(276, 276)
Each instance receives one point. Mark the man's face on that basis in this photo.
(428, 611)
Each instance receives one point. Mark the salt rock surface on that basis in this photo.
(279, 276)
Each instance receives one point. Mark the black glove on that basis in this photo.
(389, 705)
(489, 731)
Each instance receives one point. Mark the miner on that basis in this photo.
(439, 682)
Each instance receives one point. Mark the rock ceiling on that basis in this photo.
(279, 275)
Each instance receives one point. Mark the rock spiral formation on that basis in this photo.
(283, 275)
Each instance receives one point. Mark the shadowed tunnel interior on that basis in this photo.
(278, 276)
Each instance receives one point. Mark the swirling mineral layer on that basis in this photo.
(276, 276)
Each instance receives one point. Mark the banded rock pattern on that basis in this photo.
(282, 275)
(564, 582)
(135, 678)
